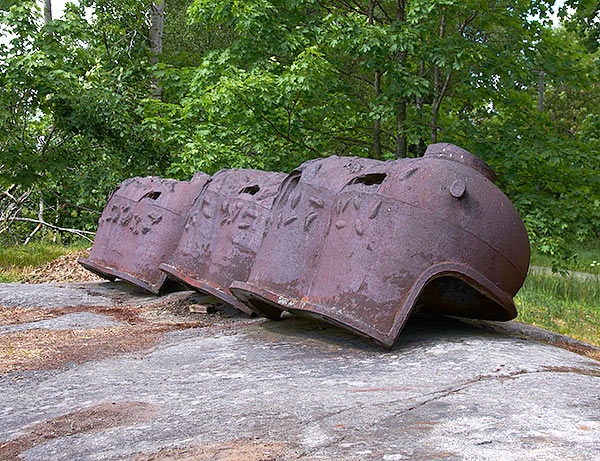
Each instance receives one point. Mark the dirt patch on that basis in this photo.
(46, 349)
(593, 355)
(86, 420)
(15, 316)
(143, 326)
(185, 309)
(62, 270)
(235, 450)
(578, 348)
(579, 371)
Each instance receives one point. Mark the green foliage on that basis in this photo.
(585, 21)
(185, 44)
(299, 81)
(565, 305)
(35, 254)
(271, 83)
(553, 180)
(70, 99)
(586, 257)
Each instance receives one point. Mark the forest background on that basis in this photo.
(114, 89)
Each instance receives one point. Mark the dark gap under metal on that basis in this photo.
(151, 195)
(250, 190)
(370, 179)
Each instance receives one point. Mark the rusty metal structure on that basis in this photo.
(289, 255)
(432, 232)
(140, 228)
(223, 232)
(356, 242)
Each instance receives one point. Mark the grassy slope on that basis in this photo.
(566, 305)
(16, 260)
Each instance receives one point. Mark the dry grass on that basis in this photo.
(44, 349)
(248, 450)
(141, 328)
(44, 264)
(14, 316)
(63, 269)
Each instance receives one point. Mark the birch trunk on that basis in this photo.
(157, 14)
(47, 11)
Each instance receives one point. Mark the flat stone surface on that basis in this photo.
(54, 295)
(75, 321)
(299, 389)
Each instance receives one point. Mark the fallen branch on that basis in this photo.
(63, 200)
(79, 232)
(10, 210)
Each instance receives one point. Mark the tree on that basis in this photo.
(380, 79)
(157, 11)
(347, 77)
(583, 17)
(47, 11)
(71, 112)
(271, 83)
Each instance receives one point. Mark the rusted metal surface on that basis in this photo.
(140, 228)
(295, 233)
(433, 232)
(223, 232)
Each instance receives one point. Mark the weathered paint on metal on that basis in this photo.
(433, 232)
(140, 228)
(223, 232)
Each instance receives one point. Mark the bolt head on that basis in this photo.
(458, 188)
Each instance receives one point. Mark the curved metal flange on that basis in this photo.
(193, 281)
(111, 274)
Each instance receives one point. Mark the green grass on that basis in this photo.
(587, 257)
(563, 304)
(16, 260)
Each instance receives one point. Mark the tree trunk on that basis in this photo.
(541, 92)
(47, 11)
(419, 107)
(401, 142)
(377, 121)
(440, 88)
(157, 11)
(377, 85)
(421, 147)
(437, 92)
(434, 123)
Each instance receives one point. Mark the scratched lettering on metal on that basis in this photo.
(353, 241)
(223, 232)
(433, 232)
(295, 232)
(140, 228)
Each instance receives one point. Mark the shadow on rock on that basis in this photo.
(421, 328)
